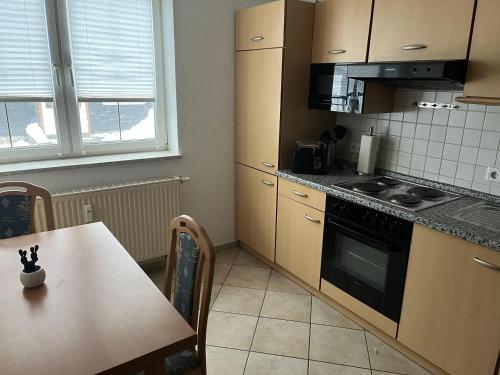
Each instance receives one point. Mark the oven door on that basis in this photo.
(366, 266)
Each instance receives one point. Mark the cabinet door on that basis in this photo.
(262, 26)
(484, 62)
(420, 30)
(451, 306)
(341, 31)
(299, 240)
(258, 108)
(256, 210)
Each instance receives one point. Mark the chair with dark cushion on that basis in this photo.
(17, 208)
(192, 257)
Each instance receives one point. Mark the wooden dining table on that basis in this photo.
(96, 313)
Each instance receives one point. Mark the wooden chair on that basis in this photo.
(17, 208)
(192, 256)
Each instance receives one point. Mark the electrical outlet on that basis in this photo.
(493, 174)
(355, 147)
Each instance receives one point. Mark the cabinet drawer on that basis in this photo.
(299, 240)
(256, 193)
(420, 30)
(335, 38)
(262, 26)
(302, 194)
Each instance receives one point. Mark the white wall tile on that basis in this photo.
(451, 151)
(465, 171)
(450, 146)
(438, 133)
(435, 149)
(492, 122)
(422, 131)
(468, 154)
(474, 120)
(486, 157)
(490, 140)
(454, 135)
(457, 119)
(471, 137)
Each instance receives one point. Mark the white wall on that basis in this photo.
(204, 39)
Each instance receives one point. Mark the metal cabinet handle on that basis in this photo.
(299, 194)
(270, 165)
(257, 38)
(486, 264)
(412, 47)
(267, 183)
(312, 219)
(336, 51)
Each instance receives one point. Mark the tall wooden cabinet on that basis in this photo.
(273, 53)
(483, 79)
(451, 306)
(421, 30)
(341, 31)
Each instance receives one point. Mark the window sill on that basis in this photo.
(87, 161)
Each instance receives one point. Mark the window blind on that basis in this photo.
(112, 48)
(25, 67)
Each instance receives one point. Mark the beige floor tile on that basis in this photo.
(227, 256)
(266, 364)
(322, 313)
(287, 306)
(230, 330)
(282, 337)
(280, 283)
(239, 300)
(222, 361)
(321, 368)
(220, 273)
(248, 260)
(215, 293)
(375, 372)
(248, 277)
(339, 345)
(385, 358)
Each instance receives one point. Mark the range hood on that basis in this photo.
(434, 75)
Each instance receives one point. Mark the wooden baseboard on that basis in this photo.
(478, 100)
(392, 342)
(227, 246)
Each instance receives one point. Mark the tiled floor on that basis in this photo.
(262, 323)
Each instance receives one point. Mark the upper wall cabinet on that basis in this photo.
(420, 30)
(260, 27)
(341, 31)
(483, 81)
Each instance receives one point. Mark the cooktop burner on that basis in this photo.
(387, 181)
(367, 187)
(400, 193)
(426, 193)
(405, 200)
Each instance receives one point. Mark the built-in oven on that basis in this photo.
(365, 253)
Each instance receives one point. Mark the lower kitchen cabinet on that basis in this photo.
(299, 240)
(451, 306)
(256, 210)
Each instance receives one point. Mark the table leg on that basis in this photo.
(156, 367)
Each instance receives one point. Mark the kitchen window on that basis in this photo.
(81, 77)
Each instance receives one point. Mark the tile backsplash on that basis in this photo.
(451, 146)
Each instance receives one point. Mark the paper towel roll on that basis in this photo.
(368, 154)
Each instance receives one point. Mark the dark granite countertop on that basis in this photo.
(437, 217)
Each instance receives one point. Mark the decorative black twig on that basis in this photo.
(29, 266)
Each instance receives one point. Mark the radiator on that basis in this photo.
(137, 213)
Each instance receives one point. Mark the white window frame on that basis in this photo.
(66, 103)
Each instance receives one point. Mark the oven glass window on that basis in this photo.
(361, 261)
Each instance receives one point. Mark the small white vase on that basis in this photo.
(33, 279)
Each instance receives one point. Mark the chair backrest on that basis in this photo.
(17, 208)
(192, 256)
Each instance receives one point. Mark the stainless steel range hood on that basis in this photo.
(434, 75)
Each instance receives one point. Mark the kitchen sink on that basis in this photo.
(483, 214)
